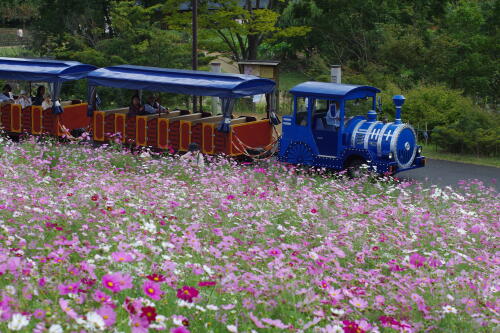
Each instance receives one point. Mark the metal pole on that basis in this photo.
(215, 67)
(194, 11)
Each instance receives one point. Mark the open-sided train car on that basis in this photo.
(178, 128)
(57, 120)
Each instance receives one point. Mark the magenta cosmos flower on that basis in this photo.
(187, 293)
(152, 289)
(122, 256)
(180, 329)
(139, 324)
(117, 282)
(108, 315)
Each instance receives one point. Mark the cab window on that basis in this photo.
(301, 115)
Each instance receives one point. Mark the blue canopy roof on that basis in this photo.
(333, 90)
(185, 82)
(41, 70)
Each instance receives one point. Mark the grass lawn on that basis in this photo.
(430, 151)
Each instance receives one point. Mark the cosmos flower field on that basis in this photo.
(99, 239)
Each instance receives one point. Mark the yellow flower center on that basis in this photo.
(105, 317)
(151, 290)
(110, 284)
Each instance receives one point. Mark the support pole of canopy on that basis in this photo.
(194, 12)
(216, 68)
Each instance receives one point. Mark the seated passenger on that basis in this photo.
(333, 116)
(38, 99)
(47, 103)
(7, 94)
(24, 100)
(135, 107)
(152, 106)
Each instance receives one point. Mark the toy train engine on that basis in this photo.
(325, 137)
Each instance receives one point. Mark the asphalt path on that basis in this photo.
(446, 173)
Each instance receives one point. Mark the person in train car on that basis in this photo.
(194, 157)
(24, 100)
(135, 107)
(152, 106)
(47, 103)
(39, 97)
(7, 94)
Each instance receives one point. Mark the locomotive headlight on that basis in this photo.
(390, 156)
(419, 150)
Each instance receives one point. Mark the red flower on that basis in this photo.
(206, 283)
(352, 327)
(149, 313)
(187, 293)
(156, 277)
(95, 197)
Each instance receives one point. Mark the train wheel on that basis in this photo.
(299, 153)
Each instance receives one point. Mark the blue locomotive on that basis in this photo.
(319, 134)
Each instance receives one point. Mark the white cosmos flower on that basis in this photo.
(313, 255)
(10, 289)
(55, 328)
(18, 322)
(95, 320)
(449, 309)
(232, 328)
(212, 307)
(161, 319)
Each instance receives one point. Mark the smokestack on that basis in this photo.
(335, 74)
(398, 100)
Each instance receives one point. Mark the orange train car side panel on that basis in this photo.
(173, 134)
(141, 124)
(27, 120)
(185, 135)
(119, 122)
(74, 116)
(252, 134)
(130, 129)
(163, 133)
(36, 119)
(98, 126)
(5, 116)
(208, 136)
(15, 125)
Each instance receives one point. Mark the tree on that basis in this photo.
(241, 28)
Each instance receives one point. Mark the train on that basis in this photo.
(317, 133)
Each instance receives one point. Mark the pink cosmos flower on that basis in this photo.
(108, 315)
(71, 288)
(274, 252)
(180, 329)
(117, 282)
(187, 293)
(417, 260)
(64, 304)
(358, 302)
(111, 282)
(139, 324)
(206, 283)
(39, 314)
(122, 256)
(275, 322)
(101, 297)
(152, 289)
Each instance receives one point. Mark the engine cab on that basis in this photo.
(319, 132)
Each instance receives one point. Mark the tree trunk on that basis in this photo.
(253, 44)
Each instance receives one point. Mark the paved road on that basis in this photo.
(449, 173)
